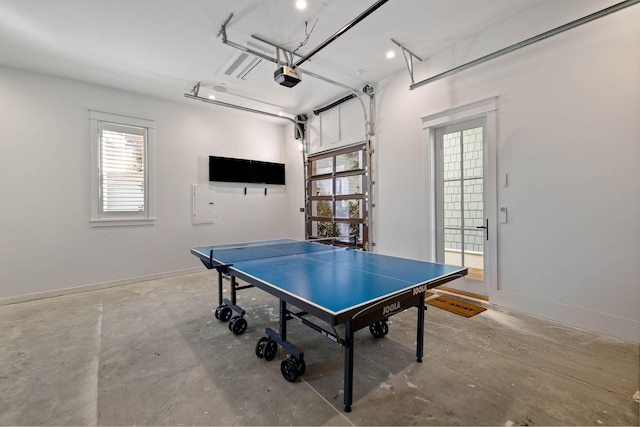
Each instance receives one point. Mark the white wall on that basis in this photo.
(569, 139)
(295, 184)
(46, 242)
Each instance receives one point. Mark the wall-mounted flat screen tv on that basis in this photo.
(267, 173)
(225, 169)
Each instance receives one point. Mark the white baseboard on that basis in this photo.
(619, 327)
(96, 286)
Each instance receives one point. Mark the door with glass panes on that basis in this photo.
(461, 222)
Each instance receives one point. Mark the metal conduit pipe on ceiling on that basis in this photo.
(573, 24)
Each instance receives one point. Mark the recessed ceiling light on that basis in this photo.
(212, 97)
(391, 54)
(301, 4)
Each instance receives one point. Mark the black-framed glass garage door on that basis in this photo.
(337, 194)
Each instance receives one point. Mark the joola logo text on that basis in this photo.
(391, 308)
(420, 289)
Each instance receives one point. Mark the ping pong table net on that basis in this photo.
(264, 250)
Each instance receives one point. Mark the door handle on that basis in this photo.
(486, 227)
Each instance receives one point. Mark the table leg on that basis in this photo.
(283, 320)
(420, 328)
(234, 284)
(219, 288)
(348, 367)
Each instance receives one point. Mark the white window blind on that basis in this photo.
(122, 168)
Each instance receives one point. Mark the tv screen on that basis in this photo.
(229, 170)
(267, 173)
(225, 169)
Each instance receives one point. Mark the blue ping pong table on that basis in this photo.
(336, 284)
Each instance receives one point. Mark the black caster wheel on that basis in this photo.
(289, 370)
(379, 329)
(238, 325)
(301, 367)
(217, 312)
(225, 313)
(270, 349)
(260, 347)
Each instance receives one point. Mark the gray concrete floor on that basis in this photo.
(152, 353)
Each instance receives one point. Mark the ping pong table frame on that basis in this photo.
(374, 315)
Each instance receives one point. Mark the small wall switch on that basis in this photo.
(502, 214)
(505, 180)
(301, 209)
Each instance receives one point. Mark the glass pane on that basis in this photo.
(452, 198)
(322, 229)
(451, 155)
(348, 230)
(452, 245)
(349, 185)
(472, 143)
(322, 187)
(452, 240)
(473, 208)
(322, 166)
(473, 253)
(473, 243)
(349, 209)
(321, 208)
(342, 229)
(356, 230)
(349, 161)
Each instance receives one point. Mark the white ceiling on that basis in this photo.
(164, 47)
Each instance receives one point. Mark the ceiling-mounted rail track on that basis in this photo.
(408, 58)
(340, 32)
(278, 61)
(194, 95)
(573, 24)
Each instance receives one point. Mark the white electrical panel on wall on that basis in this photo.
(204, 201)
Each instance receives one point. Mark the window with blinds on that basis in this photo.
(122, 168)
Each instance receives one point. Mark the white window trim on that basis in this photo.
(98, 219)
